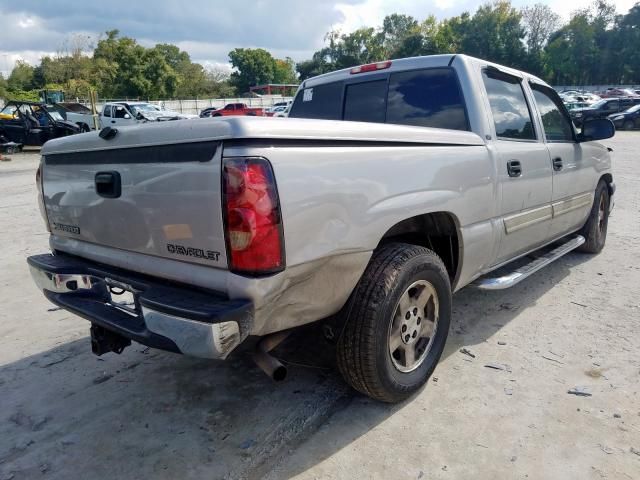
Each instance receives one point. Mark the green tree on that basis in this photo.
(254, 66)
(3, 87)
(396, 30)
(628, 44)
(21, 77)
(285, 71)
(539, 22)
(496, 34)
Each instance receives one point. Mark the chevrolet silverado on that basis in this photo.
(389, 187)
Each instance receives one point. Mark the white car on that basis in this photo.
(280, 111)
(130, 113)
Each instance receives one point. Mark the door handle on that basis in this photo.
(557, 164)
(113, 121)
(108, 184)
(514, 169)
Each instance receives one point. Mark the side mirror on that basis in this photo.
(597, 129)
(127, 116)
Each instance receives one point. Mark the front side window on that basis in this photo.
(365, 102)
(426, 98)
(557, 128)
(511, 114)
(120, 111)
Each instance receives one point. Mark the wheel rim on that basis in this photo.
(602, 214)
(414, 326)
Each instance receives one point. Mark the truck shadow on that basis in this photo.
(66, 413)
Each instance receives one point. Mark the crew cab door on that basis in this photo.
(523, 167)
(573, 163)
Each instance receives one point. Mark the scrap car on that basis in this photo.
(130, 113)
(33, 123)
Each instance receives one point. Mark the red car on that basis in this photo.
(233, 109)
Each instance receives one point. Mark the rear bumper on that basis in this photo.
(167, 316)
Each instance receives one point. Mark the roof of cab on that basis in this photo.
(427, 61)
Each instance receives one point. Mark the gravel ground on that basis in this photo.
(66, 414)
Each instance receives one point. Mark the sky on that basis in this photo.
(209, 29)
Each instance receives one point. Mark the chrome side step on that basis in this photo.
(519, 274)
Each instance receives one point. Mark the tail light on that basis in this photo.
(43, 211)
(253, 224)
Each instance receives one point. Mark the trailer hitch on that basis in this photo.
(105, 341)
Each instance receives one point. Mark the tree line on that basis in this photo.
(596, 46)
(119, 67)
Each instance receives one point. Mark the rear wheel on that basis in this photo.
(595, 230)
(398, 322)
(628, 125)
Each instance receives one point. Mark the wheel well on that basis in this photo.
(436, 231)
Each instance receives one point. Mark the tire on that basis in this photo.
(374, 313)
(84, 128)
(595, 229)
(628, 125)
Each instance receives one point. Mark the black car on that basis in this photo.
(32, 123)
(627, 120)
(602, 109)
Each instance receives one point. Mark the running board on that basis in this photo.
(516, 276)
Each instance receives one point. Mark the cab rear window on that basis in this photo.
(427, 97)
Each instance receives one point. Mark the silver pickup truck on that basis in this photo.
(389, 187)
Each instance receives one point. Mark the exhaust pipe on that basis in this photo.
(267, 363)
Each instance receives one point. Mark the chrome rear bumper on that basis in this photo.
(166, 316)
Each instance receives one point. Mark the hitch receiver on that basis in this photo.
(105, 341)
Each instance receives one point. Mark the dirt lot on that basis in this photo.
(66, 414)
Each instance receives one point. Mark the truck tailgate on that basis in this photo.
(156, 199)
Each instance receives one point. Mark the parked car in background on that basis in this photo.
(276, 107)
(75, 112)
(602, 109)
(207, 112)
(279, 111)
(234, 109)
(627, 120)
(614, 92)
(389, 187)
(129, 113)
(33, 123)
(575, 105)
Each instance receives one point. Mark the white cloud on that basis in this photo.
(209, 30)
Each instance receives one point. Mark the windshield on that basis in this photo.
(9, 110)
(55, 115)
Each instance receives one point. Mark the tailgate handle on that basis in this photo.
(108, 184)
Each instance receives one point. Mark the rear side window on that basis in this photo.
(365, 102)
(426, 98)
(323, 102)
(106, 111)
(509, 107)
